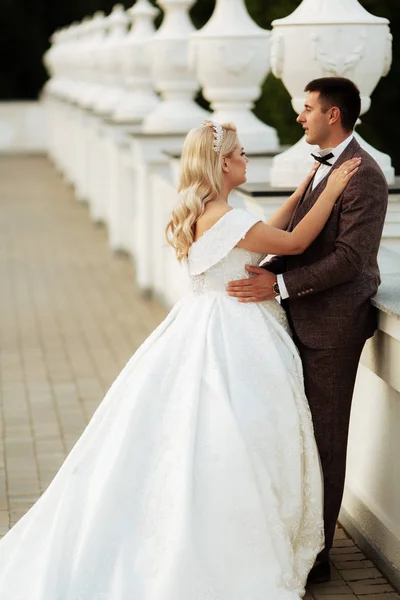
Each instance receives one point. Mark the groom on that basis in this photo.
(327, 290)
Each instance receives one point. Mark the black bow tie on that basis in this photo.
(324, 160)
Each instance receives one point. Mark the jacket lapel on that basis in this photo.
(311, 195)
(304, 197)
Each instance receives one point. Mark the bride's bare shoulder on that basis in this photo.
(210, 216)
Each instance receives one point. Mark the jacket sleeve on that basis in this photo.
(276, 264)
(360, 229)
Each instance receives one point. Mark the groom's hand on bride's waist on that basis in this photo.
(257, 288)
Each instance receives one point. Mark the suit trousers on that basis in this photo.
(329, 378)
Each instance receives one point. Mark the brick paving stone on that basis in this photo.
(340, 534)
(371, 586)
(353, 556)
(335, 597)
(380, 597)
(329, 585)
(342, 565)
(357, 574)
(321, 591)
(343, 543)
(70, 318)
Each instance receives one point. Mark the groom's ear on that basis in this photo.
(334, 115)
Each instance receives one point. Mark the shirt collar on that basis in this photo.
(336, 151)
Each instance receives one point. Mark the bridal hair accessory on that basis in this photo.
(218, 133)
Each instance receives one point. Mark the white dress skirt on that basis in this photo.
(198, 476)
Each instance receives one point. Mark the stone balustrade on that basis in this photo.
(370, 510)
(119, 103)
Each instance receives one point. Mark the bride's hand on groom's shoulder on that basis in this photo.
(340, 177)
(257, 288)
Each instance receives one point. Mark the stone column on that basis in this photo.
(137, 100)
(231, 58)
(322, 38)
(169, 52)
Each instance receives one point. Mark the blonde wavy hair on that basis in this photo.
(200, 182)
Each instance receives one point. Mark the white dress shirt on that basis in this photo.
(322, 172)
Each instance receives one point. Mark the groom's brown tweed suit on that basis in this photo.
(330, 287)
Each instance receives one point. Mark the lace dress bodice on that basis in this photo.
(229, 268)
(214, 260)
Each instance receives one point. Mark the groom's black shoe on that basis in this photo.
(319, 573)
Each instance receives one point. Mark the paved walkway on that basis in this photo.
(70, 318)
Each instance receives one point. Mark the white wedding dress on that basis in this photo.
(198, 476)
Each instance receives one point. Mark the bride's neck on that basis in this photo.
(221, 199)
(223, 196)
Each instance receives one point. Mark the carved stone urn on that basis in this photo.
(231, 57)
(169, 58)
(108, 59)
(77, 73)
(60, 64)
(91, 60)
(51, 62)
(139, 98)
(322, 38)
(73, 60)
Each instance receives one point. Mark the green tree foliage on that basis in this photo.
(26, 25)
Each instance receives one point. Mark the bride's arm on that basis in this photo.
(281, 218)
(268, 240)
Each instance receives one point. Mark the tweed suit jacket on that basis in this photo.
(331, 284)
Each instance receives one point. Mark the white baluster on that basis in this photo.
(137, 101)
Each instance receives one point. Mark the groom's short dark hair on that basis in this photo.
(340, 92)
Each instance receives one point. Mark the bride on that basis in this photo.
(198, 476)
